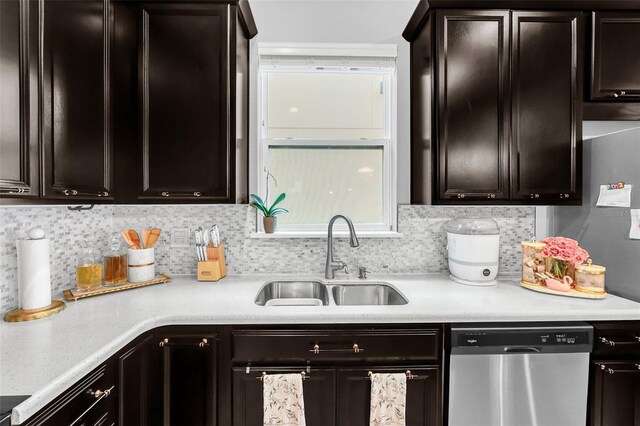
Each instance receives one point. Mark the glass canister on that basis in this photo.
(590, 278)
(115, 263)
(88, 268)
(533, 262)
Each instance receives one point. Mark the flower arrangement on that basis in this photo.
(565, 252)
(564, 249)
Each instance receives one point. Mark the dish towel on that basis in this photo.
(388, 399)
(283, 401)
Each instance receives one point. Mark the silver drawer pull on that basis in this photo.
(75, 192)
(610, 370)
(408, 373)
(304, 375)
(14, 190)
(535, 195)
(610, 342)
(100, 393)
(187, 194)
(163, 342)
(204, 342)
(354, 349)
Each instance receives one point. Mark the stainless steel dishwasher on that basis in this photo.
(519, 374)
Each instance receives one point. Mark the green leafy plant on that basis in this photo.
(261, 205)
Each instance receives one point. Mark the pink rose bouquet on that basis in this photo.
(565, 252)
(564, 249)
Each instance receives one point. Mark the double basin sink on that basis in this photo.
(316, 293)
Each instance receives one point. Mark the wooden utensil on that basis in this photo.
(145, 237)
(135, 238)
(125, 236)
(154, 234)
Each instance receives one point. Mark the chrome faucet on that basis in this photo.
(335, 265)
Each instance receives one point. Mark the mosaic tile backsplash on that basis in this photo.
(421, 248)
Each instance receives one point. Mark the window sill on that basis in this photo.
(323, 234)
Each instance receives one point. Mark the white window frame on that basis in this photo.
(341, 52)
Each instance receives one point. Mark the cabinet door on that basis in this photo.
(546, 106)
(354, 395)
(318, 392)
(137, 369)
(76, 142)
(18, 98)
(189, 379)
(184, 101)
(615, 394)
(473, 107)
(615, 62)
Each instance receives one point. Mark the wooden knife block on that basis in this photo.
(214, 268)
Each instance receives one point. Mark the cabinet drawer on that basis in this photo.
(617, 339)
(299, 346)
(85, 403)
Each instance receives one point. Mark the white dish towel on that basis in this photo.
(388, 399)
(283, 402)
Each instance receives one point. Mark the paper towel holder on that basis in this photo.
(19, 314)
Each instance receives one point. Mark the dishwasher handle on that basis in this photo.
(521, 350)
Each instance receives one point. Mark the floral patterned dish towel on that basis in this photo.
(388, 399)
(283, 401)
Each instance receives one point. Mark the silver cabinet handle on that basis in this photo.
(204, 342)
(354, 349)
(99, 395)
(163, 342)
(186, 194)
(624, 94)
(535, 195)
(564, 195)
(610, 342)
(75, 192)
(610, 370)
(15, 190)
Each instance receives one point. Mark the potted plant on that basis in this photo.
(269, 219)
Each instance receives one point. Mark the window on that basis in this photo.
(326, 133)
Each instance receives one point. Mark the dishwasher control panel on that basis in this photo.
(521, 339)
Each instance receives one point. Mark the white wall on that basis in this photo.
(350, 21)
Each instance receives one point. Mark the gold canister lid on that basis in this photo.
(589, 268)
(534, 244)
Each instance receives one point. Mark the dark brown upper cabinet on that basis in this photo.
(505, 103)
(473, 107)
(546, 113)
(181, 85)
(19, 174)
(77, 154)
(615, 62)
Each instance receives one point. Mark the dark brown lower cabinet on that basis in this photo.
(614, 392)
(615, 396)
(189, 379)
(318, 390)
(140, 385)
(90, 402)
(354, 389)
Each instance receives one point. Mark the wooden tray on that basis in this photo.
(571, 293)
(73, 294)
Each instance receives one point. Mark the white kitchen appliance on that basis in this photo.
(473, 244)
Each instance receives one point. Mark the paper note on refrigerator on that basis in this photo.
(617, 197)
(634, 232)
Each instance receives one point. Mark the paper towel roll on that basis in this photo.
(34, 277)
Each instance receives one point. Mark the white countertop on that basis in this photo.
(44, 357)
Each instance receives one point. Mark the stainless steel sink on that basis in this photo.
(293, 293)
(367, 294)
